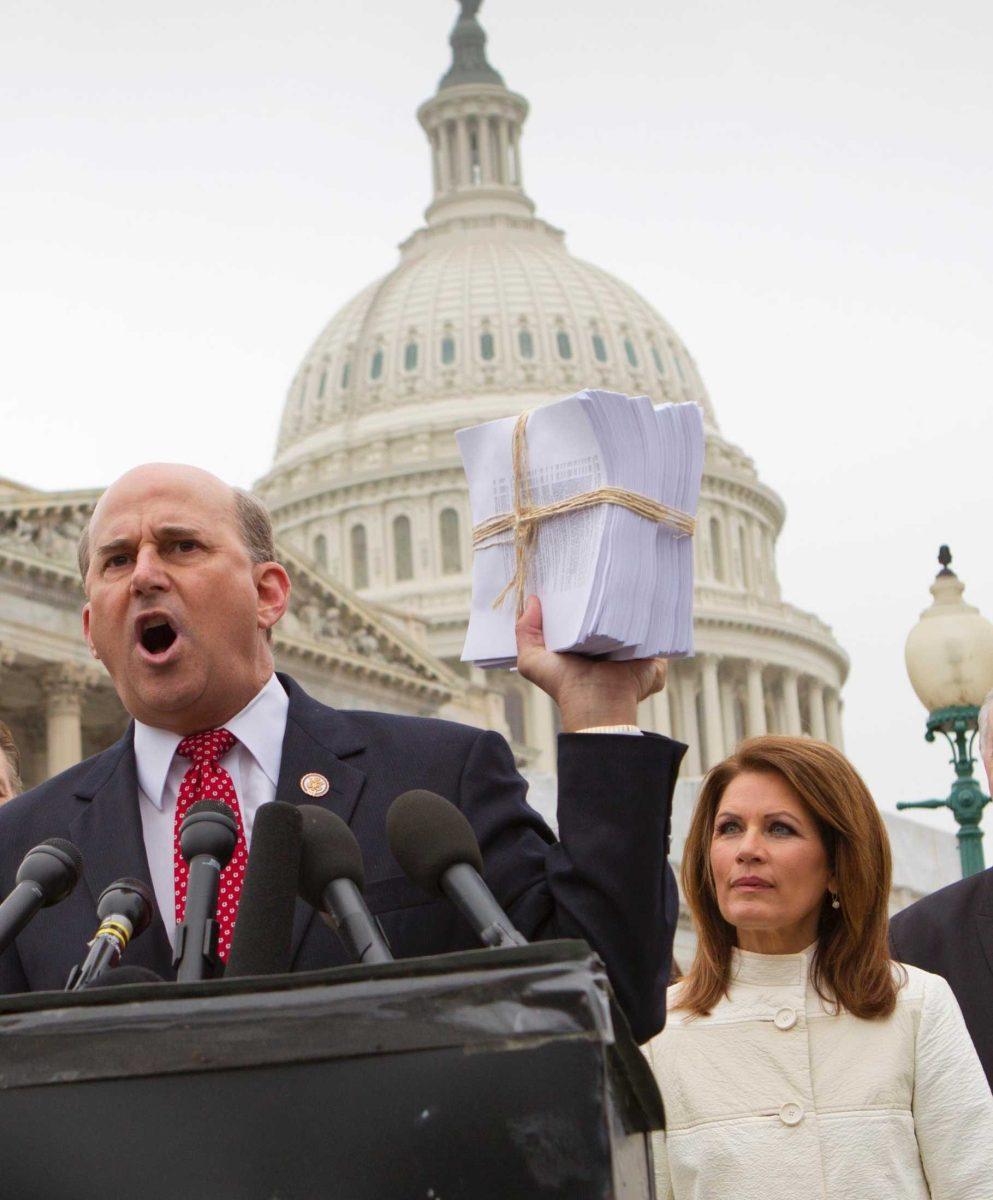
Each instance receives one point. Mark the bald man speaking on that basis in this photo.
(182, 592)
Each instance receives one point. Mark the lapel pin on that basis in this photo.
(314, 784)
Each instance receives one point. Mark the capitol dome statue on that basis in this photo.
(486, 314)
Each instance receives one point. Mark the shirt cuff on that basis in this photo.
(631, 730)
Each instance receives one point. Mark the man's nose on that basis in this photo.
(149, 574)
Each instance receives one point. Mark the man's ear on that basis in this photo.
(86, 630)
(273, 588)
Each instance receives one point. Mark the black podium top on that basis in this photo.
(482, 997)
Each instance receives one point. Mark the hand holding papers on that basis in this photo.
(614, 570)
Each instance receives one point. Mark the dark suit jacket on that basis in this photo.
(950, 933)
(605, 880)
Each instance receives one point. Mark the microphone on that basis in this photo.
(121, 976)
(47, 874)
(436, 848)
(332, 879)
(207, 839)
(125, 910)
(263, 930)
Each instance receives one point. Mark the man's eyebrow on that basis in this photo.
(120, 543)
(176, 532)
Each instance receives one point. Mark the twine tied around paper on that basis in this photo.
(524, 520)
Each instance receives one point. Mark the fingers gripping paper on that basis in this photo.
(588, 503)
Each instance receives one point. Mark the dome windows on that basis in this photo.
(657, 359)
(451, 543)
(346, 372)
(599, 347)
(629, 350)
(410, 356)
(563, 344)
(321, 551)
(487, 346)
(403, 550)
(376, 364)
(447, 350)
(323, 384)
(359, 545)
(717, 550)
(525, 343)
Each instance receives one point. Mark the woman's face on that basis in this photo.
(769, 863)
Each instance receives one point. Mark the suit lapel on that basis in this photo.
(109, 835)
(317, 741)
(984, 916)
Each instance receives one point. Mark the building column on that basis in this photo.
(485, 149)
(815, 702)
(541, 729)
(503, 140)
(755, 710)
(444, 159)
(63, 685)
(791, 702)
(712, 709)
(832, 718)
(661, 711)
(727, 715)
(686, 692)
(463, 167)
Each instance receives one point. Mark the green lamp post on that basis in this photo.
(949, 656)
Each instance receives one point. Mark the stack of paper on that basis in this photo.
(611, 582)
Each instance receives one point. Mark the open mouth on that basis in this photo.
(157, 636)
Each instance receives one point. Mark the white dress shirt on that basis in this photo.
(253, 764)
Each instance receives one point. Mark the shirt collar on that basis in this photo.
(770, 969)
(259, 727)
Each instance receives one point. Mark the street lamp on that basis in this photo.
(949, 656)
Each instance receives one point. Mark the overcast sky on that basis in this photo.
(189, 191)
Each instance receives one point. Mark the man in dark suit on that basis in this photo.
(182, 592)
(950, 932)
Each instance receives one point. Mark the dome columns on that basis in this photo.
(713, 701)
(755, 711)
(474, 134)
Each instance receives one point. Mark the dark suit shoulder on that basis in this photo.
(429, 735)
(32, 808)
(945, 905)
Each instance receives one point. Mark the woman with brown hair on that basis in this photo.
(798, 1062)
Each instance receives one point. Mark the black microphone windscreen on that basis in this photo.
(133, 898)
(263, 930)
(69, 850)
(119, 976)
(55, 866)
(330, 851)
(427, 835)
(209, 827)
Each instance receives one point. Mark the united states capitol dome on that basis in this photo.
(487, 314)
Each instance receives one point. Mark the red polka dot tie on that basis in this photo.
(207, 780)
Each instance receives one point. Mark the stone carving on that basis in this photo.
(54, 536)
(65, 682)
(316, 616)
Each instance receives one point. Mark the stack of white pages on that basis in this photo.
(611, 582)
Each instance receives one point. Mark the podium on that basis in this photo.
(486, 1075)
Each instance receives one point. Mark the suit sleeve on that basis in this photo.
(607, 879)
(953, 1106)
(12, 977)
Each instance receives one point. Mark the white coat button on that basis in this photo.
(791, 1114)
(785, 1018)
